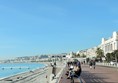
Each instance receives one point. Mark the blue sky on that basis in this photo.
(32, 27)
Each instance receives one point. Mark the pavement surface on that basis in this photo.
(65, 80)
(100, 74)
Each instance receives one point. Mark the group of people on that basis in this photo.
(74, 69)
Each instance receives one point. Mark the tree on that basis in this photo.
(74, 55)
(78, 55)
(83, 56)
(112, 56)
(116, 55)
(99, 53)
(109, 57)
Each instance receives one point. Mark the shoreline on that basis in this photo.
(23, 72)
(41, 75)
(20, 73)
(23, 76)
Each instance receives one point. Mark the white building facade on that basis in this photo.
(90, 53)
(111, 44)
(107, 45)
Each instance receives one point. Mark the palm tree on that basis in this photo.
(116, 55)
(99, 53)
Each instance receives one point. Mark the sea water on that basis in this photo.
(10, 69)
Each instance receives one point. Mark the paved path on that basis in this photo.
(64, 77)
(100, 74)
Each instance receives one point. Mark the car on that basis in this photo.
(113, 62)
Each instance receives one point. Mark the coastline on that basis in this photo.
(22, 76)
(22, 72)
(41, 75)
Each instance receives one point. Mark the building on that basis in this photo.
(89, 53)
(109, 45)
(82, 52)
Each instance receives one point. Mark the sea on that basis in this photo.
(10, 69)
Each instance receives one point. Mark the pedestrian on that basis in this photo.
(84, 62)
(55, 63)
(80, 68)
(94, 63)
(78, 63)
(75, 70)
(68, 63)
(54, 70)
(90, 64)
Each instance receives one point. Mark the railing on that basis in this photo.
(107, 64)
(60, 75)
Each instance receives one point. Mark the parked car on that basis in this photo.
(113, 63)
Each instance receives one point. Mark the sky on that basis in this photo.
(35, 27)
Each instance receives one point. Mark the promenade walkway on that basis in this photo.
(65, 80)
(100, 75)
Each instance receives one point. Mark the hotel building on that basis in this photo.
(107, 45)
(111, 44)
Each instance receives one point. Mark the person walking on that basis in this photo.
(54, 70)
(94, 64)
(79, 68)
(90, 64)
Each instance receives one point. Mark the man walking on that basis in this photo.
(94, 63)
(54, 70)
